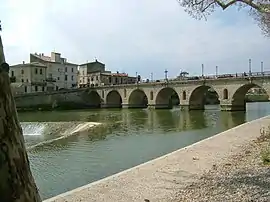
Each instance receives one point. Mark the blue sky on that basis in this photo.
(133, 36)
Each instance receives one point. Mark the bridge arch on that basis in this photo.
(239, 96)
(167, 98)
(198, 97)
(91, 98)
(138, 99)
(114, 99)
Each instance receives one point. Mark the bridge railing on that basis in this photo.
(178, 80)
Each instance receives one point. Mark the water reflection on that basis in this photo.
(134, 122)
(126, 138)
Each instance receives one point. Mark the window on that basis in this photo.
(40, 71)
(110, 79)
(22, 72)
(184, 95)
(71, 78)
(96, 78)
(65, 69)
(92, 79)
(225, 94)
(82, 72)
(43, 89)
(25, 89)
(56, 87)
(22, 80)
(151, 95)
(27, 80)
(36, 71)
(66, 78)
(102, 93)
(72, 69)
(36, 88)
(58, 78)
(12, 73)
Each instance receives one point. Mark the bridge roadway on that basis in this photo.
(231, 90)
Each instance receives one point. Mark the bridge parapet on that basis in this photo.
(189, 94)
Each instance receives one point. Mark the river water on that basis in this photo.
(126, 138)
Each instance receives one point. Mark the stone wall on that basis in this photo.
(49, 101)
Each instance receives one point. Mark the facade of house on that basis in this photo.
(28, 77)
(94, 74)
(60, 73)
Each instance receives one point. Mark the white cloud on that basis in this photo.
(142, 36)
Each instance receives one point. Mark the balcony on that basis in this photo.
(50, 79)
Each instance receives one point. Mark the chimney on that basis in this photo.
(42, 54)
(23, 62)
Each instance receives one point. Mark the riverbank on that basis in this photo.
(164, 177)
(244, 176)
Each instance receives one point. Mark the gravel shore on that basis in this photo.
(241, 177)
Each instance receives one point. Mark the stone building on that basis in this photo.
(60, 74)
(94, 74)
(28, 77)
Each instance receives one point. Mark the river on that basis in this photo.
(127, 138)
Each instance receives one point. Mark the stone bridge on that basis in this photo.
(191, 93)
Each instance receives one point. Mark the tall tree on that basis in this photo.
(258, 9)
(16, 181)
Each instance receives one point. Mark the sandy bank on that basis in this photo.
(162, 178)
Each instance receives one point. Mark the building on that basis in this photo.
(28, 77)
(60, 74)
(94, 74)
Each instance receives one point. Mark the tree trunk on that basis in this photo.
(16, 181)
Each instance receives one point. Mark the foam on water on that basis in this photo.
(47, 132)
(33, 129)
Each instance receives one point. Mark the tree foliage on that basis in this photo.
(258, 9)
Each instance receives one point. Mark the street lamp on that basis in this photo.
(216, 71)
(166, 74)
(202, 70)
(249, 66)
(262, 68)
(136, 77)
(151, 76)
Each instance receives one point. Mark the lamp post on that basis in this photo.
(151, 76)
(249, 67)
(262, 68)
(166, 74)
(136, 77)
(202, 70)
(216, 71)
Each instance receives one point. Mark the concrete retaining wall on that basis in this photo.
(159, 179)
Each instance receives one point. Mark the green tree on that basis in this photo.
(16, 181)
(258, 9)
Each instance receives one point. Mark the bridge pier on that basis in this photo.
(187, 107)
(111, 106)
(159, 106)
(230, 107)
(133, 106)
